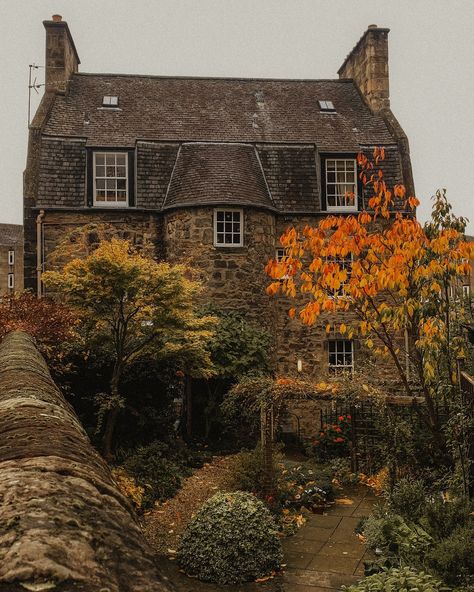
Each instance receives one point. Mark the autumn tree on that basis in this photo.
(130, 308)
(50, 323)
(394, 294)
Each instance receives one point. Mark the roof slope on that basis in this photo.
(223, 110)
(216, 174)
(11, 234)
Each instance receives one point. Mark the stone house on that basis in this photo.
(211, 171)
(11, 258)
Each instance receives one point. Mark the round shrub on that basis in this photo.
(398, 579)
(232, 539)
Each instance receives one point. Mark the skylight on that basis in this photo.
(326, 106)
(110, 101)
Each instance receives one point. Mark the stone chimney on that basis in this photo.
(61, 55)
(367, 65)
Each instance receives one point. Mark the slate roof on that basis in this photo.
(216, 174)
(11, 234)
(215, 109)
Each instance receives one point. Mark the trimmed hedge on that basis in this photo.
(231, 540)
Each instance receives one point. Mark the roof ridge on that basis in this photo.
(220, 78)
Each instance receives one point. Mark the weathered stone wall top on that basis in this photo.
(62, 519)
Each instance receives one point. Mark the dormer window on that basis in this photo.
(341, 184)
(110, 178)
(327, 106)
(110, 101)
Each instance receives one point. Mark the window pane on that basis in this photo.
(99, 159)
(120, 158)
(100, 171)
(121, 171)
(110, 158)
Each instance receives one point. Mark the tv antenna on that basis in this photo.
(32, 85)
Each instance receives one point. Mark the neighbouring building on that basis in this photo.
(211, 171)
(11, 258)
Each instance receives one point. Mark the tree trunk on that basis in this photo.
(189, 408)
(107, 440)
(111, 417)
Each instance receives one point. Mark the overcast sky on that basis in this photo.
(431, 46)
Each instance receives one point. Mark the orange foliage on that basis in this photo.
(397, 266)
(50, 323)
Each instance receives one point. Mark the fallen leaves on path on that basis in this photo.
(164, 524)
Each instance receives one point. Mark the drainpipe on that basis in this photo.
(39, 252)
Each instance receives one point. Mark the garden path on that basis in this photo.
(325, 553)
(321, 557)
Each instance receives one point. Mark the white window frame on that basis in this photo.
(104, 203)
(466, 290)
(336, 368)
(348, 207)
(11, 281)
(11, 257)
(241, 233)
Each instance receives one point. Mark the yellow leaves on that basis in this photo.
(369, 343)
(413, 202)
(291, 313)
(328, 329)
(342, 329)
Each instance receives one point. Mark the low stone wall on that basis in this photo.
(64, 526)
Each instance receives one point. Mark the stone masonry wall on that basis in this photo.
(142, 229)
(234, 277)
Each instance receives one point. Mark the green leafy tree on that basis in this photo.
(238, 347)
(130, 308)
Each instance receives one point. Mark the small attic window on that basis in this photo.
(326, 106)
(109, 101)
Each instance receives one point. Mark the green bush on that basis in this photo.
(408, 498)
(403, 579)
(391, 535)
(441, 518)
(453, 558)
(158, 469)
(232, 539)
(246, 471)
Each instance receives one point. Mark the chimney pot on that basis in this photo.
(57, 18)
(372, 27)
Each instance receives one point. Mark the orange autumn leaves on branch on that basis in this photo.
(380, 263)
